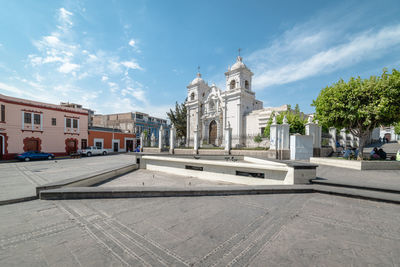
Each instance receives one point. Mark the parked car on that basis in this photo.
(34, 155)
(92, 150)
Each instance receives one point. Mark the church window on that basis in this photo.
(246, 84)
(232, 84)
(192, 96)
(203, 94)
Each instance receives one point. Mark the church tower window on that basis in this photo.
(232, 84)
(192, 96)
(246, 84)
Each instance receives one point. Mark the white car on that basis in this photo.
(93, 150)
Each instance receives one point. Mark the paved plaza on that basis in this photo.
(247, 230)
(144, 177)
(264, 230)
(19, 179)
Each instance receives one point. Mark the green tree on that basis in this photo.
(296, 120)
(258, 139)
(360, 105)
(178, 118)
(397, 128)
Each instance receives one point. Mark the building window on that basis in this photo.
(3, 113)
(83, 144)
(246, 84)
(75, 124)
(27, 118)
(68, 123)
(53, 121)
(232, 84)
(262, 131)
(36, 118)
(192, 96)
(99, 145)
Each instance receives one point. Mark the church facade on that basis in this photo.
(210, 110)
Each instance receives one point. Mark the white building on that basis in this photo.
(210, 110)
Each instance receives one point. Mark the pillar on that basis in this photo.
(284, 130)
(172, 136)
(228, 139)
(196, 142)
(161, 138)
(152, 140)
(314, 130)
(332, 140)
(141, 141)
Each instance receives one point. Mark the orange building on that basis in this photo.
(111, 139)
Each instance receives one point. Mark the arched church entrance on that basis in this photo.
(212, 133)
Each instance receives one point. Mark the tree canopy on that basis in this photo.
(360, 105)
(178, 118)
(296, 120)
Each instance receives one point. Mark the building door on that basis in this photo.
(1, 147)
(129, 145)
(83, 144)
(388, 136)
(115, 146)
(32, 145)
(213, 133)
(71, 146)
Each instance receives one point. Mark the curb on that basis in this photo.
(144, 192)
(18, 200)
(386, 190)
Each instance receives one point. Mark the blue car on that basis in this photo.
(34, 155)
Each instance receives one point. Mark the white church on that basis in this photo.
(211, 110)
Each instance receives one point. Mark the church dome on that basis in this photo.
(239, 64)
(197, 80)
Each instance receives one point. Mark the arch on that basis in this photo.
(246, 84)
(192, 96)
(32, 144)
(212, 133)
(71, 145)
(232, 84)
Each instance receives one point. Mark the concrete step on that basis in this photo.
(358, 193)
(380, 188)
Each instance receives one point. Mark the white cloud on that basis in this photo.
(312, 55)
(113, 87)
(104, 78)
(132, 42)
(68, 67)
(131, 65)
(65, 16)
(11, 89)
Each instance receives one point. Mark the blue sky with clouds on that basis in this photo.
(118, 56)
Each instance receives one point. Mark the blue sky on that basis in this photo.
(119, 56)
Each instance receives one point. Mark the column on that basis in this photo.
(196, 142)
(228, 139)
(239, 123)
(161, 138)
(141, 141)
(284, 139)
(332, 140)
(188, 128)
(172, 135)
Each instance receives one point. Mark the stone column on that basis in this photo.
(161, 138)
(274, 137)
(196, 142)
(332, 140)
(228, 139)
(239, 123)
(172, 136)
(141, 141)
(284, 140)
(314, 130)
(188, 129)
(152, 140)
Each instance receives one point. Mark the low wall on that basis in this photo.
(358, 164)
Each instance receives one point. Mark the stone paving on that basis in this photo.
(387, 179)
(144, 177)
(19, 180)
(263, 230)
